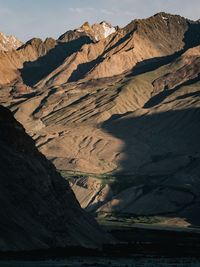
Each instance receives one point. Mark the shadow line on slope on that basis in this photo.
(84, 68)
(191, 39)
(154, 138)
(33, 72)
(160, 97)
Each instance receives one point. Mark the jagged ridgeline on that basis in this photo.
(117, 111)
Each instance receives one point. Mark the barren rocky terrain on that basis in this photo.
(118, 114)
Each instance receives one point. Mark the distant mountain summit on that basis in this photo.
(98, 51)
(9, 42)
(97, 31)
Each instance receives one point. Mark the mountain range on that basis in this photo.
(116, 110)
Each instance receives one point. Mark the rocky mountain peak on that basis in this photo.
(103, 30)
(9, 42)
(97, 31)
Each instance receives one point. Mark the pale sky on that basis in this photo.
(43, 18)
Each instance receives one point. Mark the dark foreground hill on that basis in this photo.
(38, 210)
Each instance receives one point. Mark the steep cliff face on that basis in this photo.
(37, 208)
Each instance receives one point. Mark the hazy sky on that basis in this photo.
(42, 18)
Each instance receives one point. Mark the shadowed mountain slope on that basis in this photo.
(78, 55)
(121, 114)
(38, 208)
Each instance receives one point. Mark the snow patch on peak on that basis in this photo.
(97, 31)
(9, 42)
(165, 18)
(102, 30)
(108, 29)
